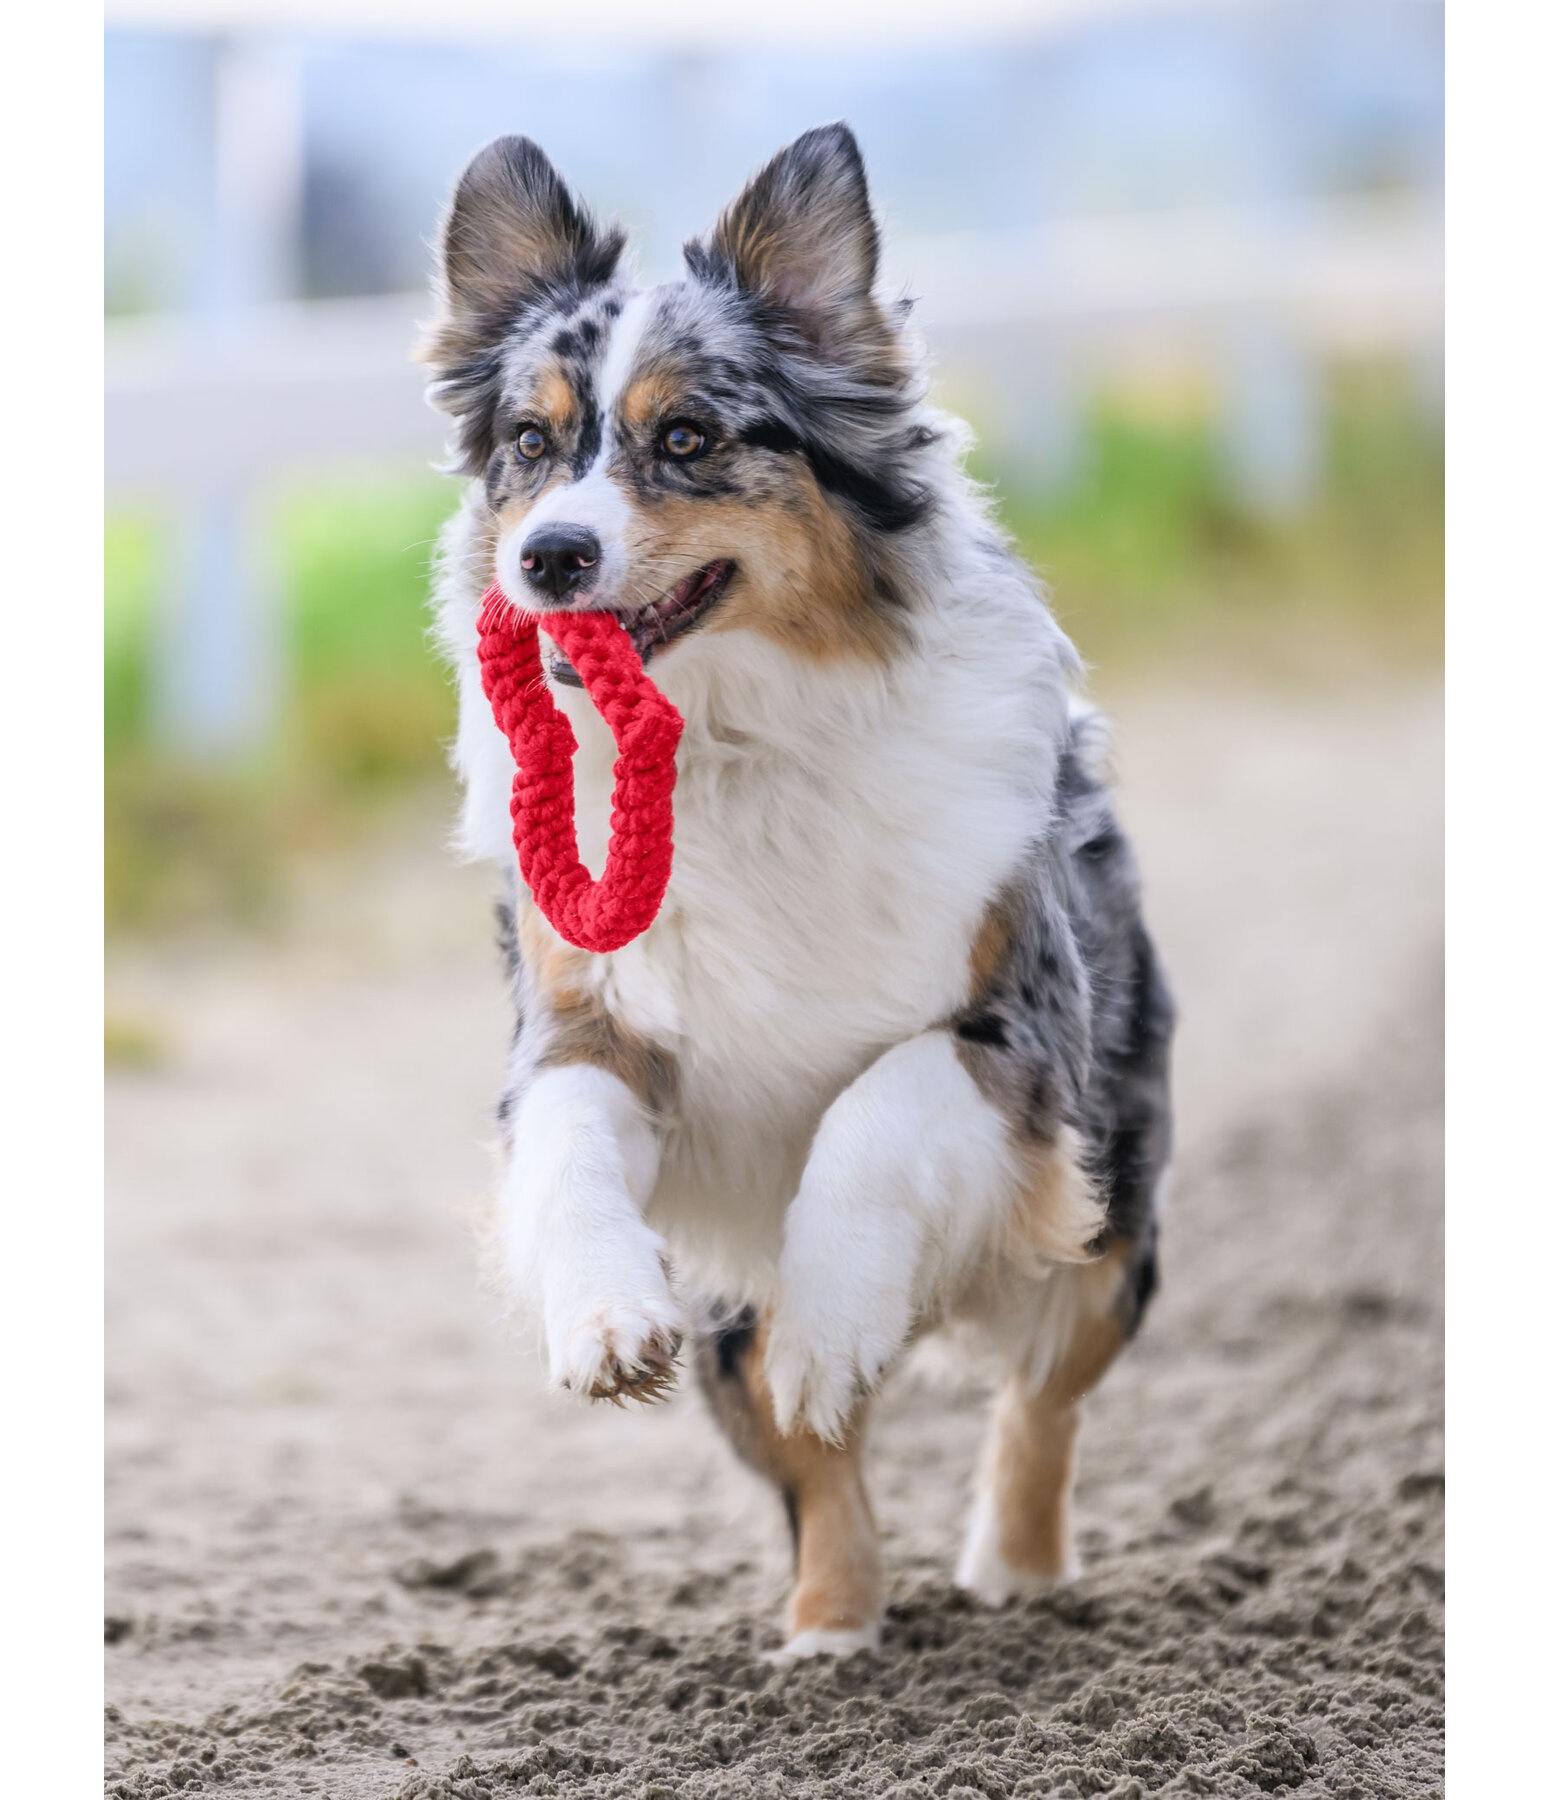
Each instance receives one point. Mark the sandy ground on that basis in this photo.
(354, 1549)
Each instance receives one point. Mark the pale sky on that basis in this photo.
(888, 24)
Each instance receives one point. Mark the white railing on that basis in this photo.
(203, 409)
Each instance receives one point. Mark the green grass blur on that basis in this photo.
(367, 713)
(1150, 563)
(1149, 560)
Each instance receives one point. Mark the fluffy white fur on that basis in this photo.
(575, 1243)
(985, 1573)
(805, 1645)
(839, 830)
(906, 1180)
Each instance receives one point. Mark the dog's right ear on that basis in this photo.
(512, 234)
(513, 229)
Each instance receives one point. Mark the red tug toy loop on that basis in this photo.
(593, 915)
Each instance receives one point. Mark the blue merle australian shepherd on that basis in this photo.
(893, 1059)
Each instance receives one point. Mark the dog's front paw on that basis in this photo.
(805, 1645)
(984, 1571)
(620, 1353)
(810, 1390)
(829, 1345)
(620, 1347)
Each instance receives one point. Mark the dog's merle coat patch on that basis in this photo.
(1073, 1024)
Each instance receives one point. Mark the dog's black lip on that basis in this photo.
(659, 622)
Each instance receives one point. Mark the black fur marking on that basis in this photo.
(980, 1028)
(1141, 1282)
(731, 1341)
(1107, 843)
(506, 937)
(511, 957)
(589, 439)
(793, 1519)
(772, 434)
(721, 1344)
(886, 507)
(497, 477)
(709, 265)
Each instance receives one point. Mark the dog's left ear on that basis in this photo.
(801, 236)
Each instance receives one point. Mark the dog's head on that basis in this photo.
(739, 450)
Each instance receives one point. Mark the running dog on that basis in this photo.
(893, 1058)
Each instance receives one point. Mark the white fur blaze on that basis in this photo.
(576, 1249)
(985, 1573)
(816, 1642)
(910, 1173)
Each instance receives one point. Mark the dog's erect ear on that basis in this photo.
(512, 233)
(514, 227)
(801, 236)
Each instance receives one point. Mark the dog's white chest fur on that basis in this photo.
(838, 835)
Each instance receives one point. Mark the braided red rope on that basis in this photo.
(594, 915)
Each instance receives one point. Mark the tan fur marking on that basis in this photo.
(800, 576)
(988, 951)
(760, 247)
(580, 1027)
(1058, 1215)
(553, 399)
(1031, 1457)
(649, 399)
(839, 1584)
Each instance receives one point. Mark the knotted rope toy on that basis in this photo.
(608, 913)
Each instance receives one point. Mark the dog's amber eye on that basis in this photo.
(683, 440)
(531, 444)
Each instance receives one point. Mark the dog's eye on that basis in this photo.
(683, 440)
(531, 444)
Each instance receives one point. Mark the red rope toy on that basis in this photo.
(593, 915)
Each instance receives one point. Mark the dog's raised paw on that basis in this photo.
(619, 1353)
(808, 1391)
(649, 1374)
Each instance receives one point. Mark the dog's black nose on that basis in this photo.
(557, 559)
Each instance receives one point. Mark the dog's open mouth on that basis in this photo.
(658, 622)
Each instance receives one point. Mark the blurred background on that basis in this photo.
(1179, 266)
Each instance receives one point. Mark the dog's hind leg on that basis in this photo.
(837, 1603)
(1019, 1538)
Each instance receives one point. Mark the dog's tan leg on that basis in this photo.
(837, 1603)
(1019, 1538)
